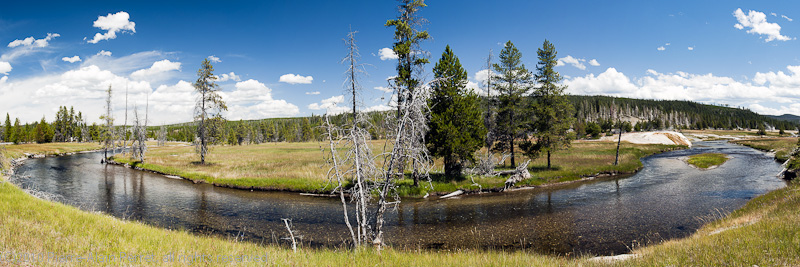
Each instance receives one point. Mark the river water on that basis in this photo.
(667, 199)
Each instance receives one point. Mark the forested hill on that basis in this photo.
(672, 114)
(637, 115)
(786, 117)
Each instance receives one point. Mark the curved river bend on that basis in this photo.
(667, 199)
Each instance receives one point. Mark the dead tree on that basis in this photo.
(108, 134)
(162, 136)
(407, 143)
(356, 164)
(287, 222)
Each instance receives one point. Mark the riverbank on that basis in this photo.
(764, 232)
(300, 167)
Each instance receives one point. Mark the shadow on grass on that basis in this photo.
(197, 163)
(440, 178)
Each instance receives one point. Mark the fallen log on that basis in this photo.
(519, 174)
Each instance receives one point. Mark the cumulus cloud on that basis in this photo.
(690, 48)
(756, 22)
(330, 105)
(5, 67)
(661, 48)
(296, 79)
(773, 92)
(112, 24)
(575, 62)
(72, 59)
(156, 70)
(253, 100)
(214, 59)
(32, 42)
(594, 62)
(383, 89)
(228, 76)
(313, 93)
(104, 53)
(387, 53)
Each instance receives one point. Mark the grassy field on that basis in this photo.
(301, 166)
(782, 146)
(707, 160)
(734, 133)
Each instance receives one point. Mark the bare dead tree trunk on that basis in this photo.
(291, 234)
(619, 122)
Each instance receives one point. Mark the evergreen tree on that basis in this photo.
(42, 132)
(512, 81)
(17, 135)
(409, 56)
(9, 131)
(455, 127)
(552, 110)
(208, 105)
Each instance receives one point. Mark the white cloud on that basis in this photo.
(5, 67)
(787, 18)
(380, 107)
(27, 46)
(661, 48)
(296, 79)
(253, 100)
(383, 89)
(228, 76)
(214, 59)
(112, 23)
(575, 62)
(774, 14)
(387, 53)
(313, 93)
(757, 24)
(32, 42)
(771, 90)
(156, 70)
(690, 48)
(71, 59)
(330, 105)
(594, 62)
(104, 53)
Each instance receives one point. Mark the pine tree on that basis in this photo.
(17, 135)
(9, 131)
(455, 127)
(552, 110)
(512, 82)
(409, 56)
(209, 105)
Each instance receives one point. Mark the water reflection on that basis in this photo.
(609, 216)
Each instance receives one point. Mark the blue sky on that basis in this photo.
(740, 53)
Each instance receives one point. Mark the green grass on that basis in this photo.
(301, 167)
(707, 160)
(782, 146)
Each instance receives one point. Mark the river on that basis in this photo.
(667, 199)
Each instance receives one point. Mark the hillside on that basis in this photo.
(786, 117)
(641, 114)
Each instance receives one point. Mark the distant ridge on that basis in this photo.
(786, 117)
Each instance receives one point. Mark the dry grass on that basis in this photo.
(17, 151)
(301, 166)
